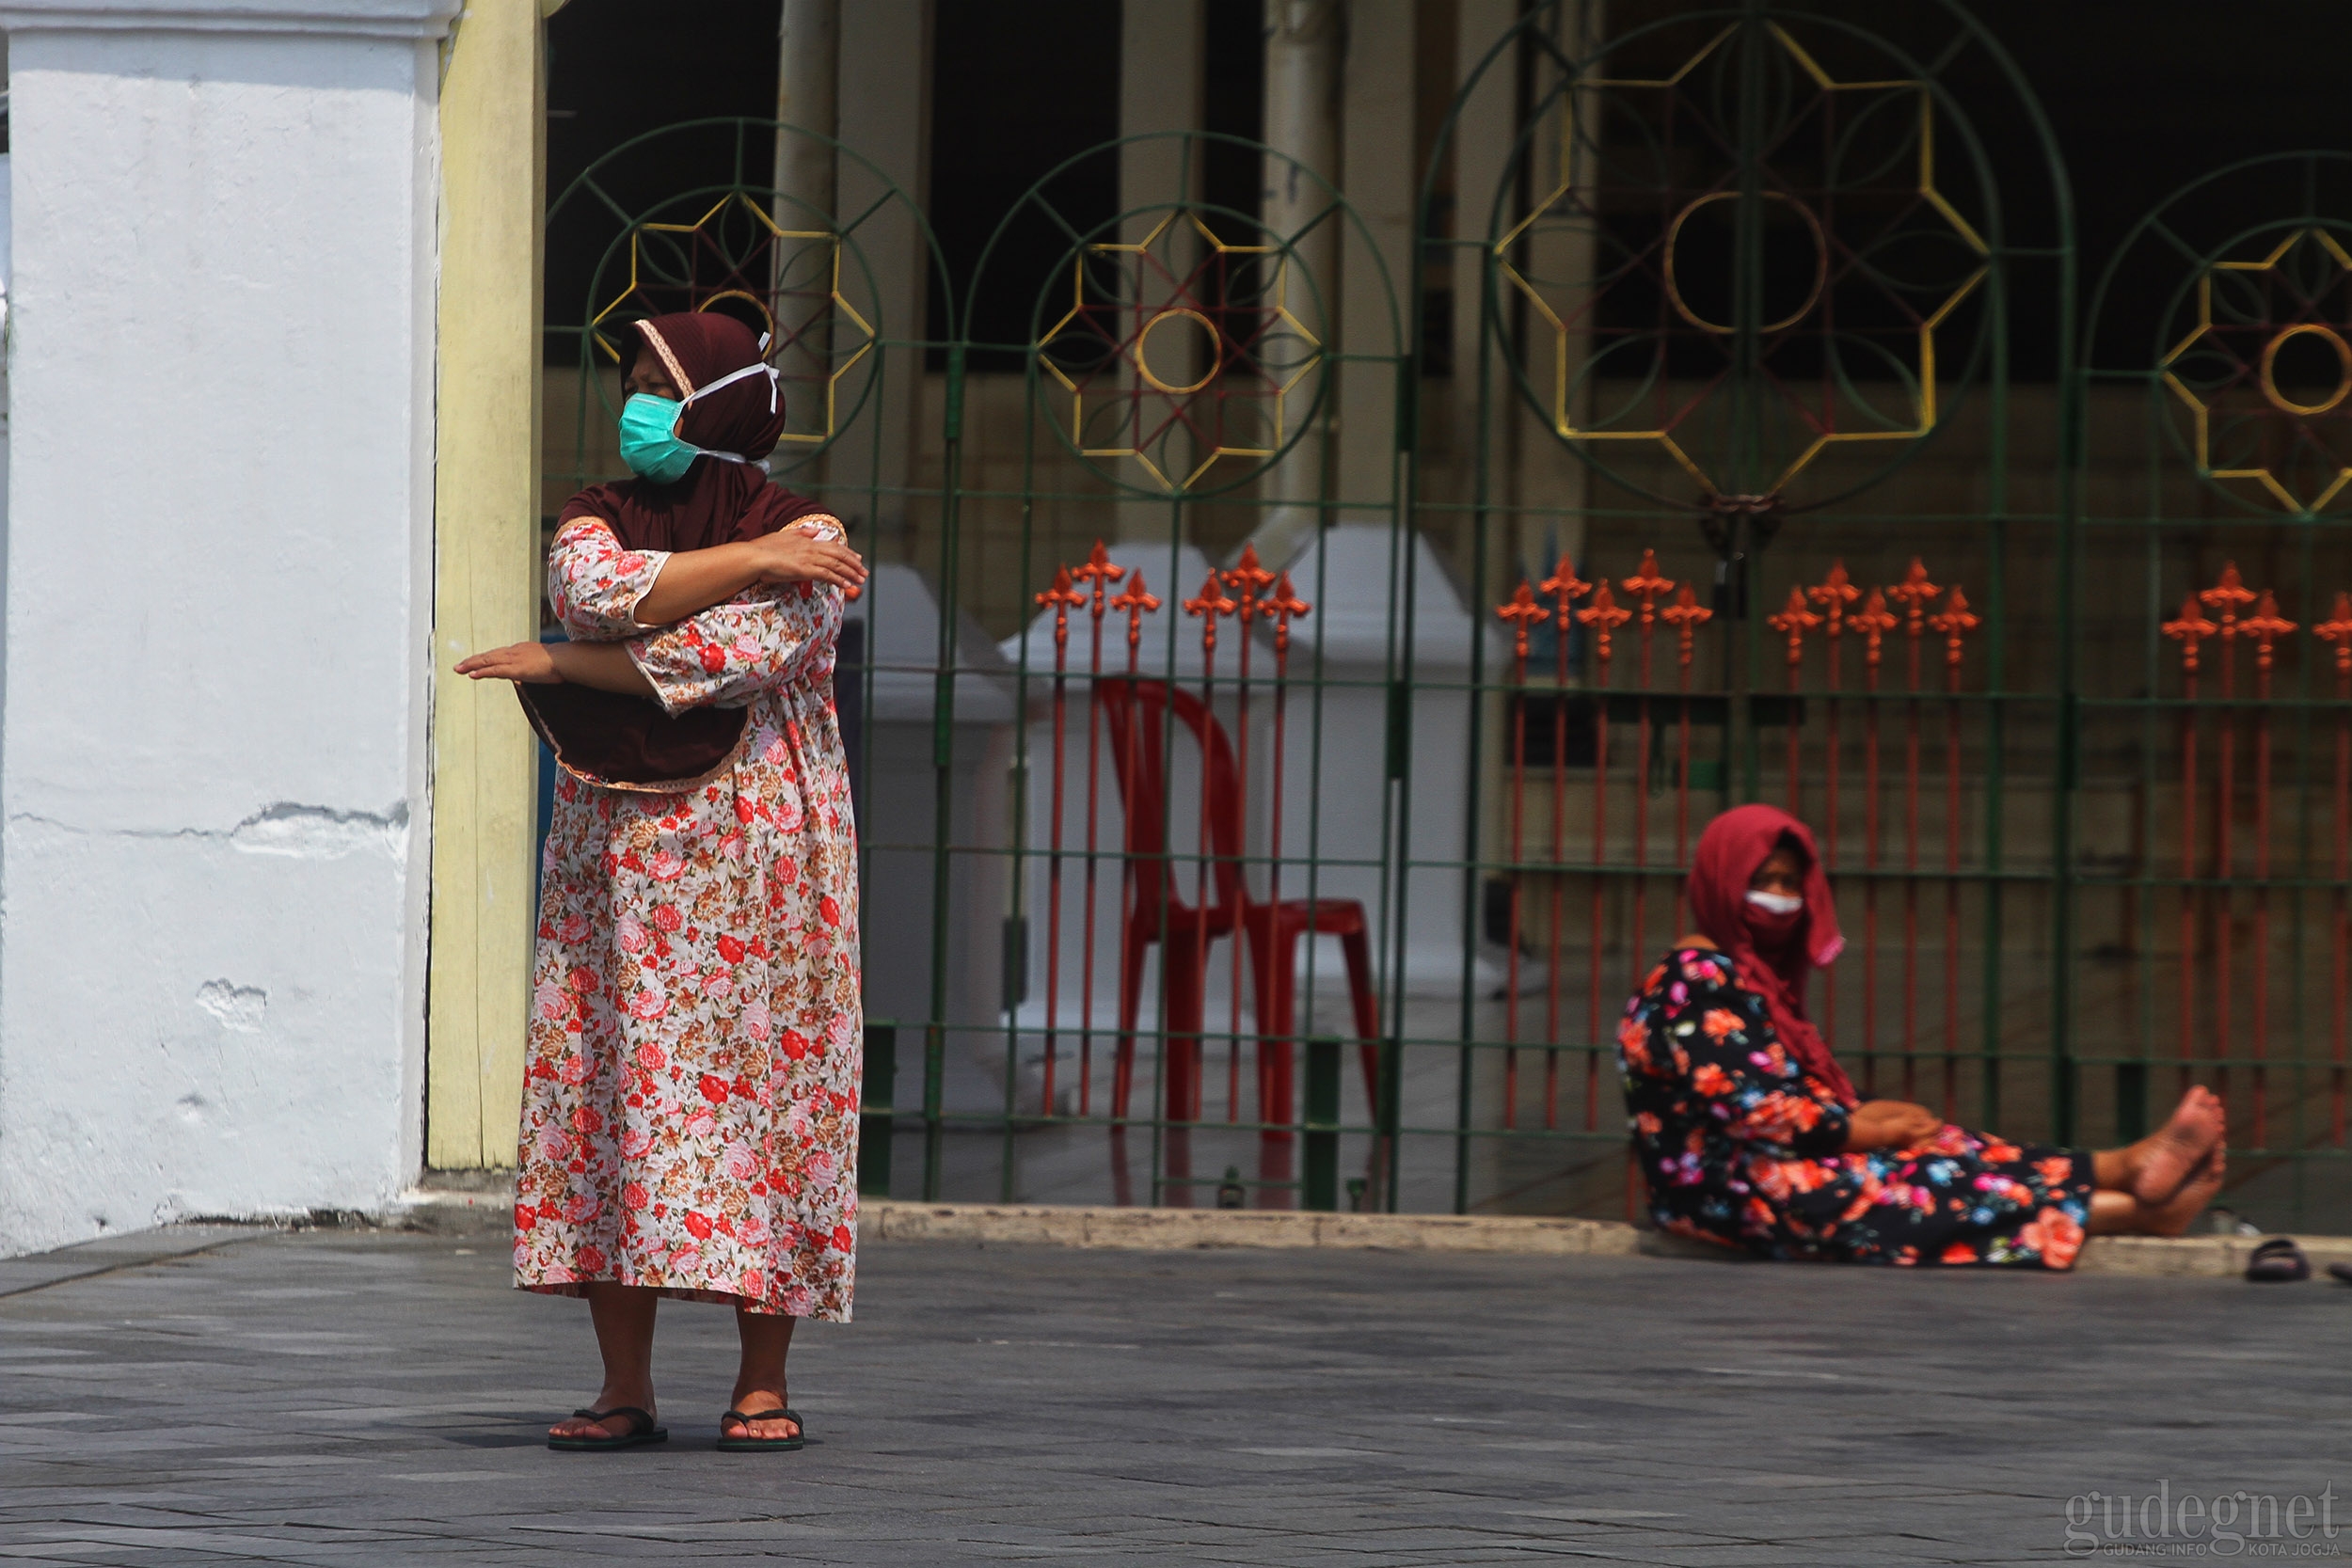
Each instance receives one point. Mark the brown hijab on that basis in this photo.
(628, 742)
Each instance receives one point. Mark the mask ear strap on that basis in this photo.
(762, 367)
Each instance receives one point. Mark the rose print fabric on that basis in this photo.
(689, 1109)
(1738, 1144)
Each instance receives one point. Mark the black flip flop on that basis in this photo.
(754, 1444)
(640, 1430)
(2341, 1271)
(2277, 1261)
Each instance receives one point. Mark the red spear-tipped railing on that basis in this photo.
(1955, 622)
(1211, 606)
(2337, 632)
(1565, 588)
(1520, 613)
(2191, 630)
(1646, 587)
(1873, 621)
(1098, 574)
(1062, 598)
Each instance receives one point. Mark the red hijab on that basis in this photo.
(629, 742)
(1734, 845)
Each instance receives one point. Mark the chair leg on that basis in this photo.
(1181, 980)
(1278, 1011)
(1130, 998)
(1356, 947)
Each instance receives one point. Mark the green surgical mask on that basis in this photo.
(647, 445)
(650, 440)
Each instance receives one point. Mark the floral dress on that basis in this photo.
(689, 1109)
(1738, 1144)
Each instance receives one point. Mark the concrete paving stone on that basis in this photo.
(320, 1397)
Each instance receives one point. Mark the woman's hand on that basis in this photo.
(789, 555)
(524, 663)
(1890, 1124)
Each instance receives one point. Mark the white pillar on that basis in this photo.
(213, 769)
(885, 114)
(1162, 66)
(808, 95)
(1302, 53)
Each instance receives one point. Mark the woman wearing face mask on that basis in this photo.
(1750, 1134)
(689, 1104)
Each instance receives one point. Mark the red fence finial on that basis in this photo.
(1686, 615)
(1647, 586)
(1063, 598)
(1565, 588)
(1521, 612)
(1136, 602)
(2265, 626)
(2227, 596)
(1285, 605)
(1874, 621)
(2191, 629)
(1098, 573)
(1251, 579)
(1796, 621)
(1955, 623)
(2339, 631)
(1834, 593)
(1604, 615)
(1211, 604)
(1915, 594)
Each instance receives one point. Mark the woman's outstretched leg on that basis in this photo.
(2155, 1169)
(759, 1382)
(624, 1317)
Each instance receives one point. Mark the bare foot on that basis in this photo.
(608, 1397)
(2168, 1158)
(765, 1409)
(2203, 1186)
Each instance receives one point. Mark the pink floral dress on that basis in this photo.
(691, 1100)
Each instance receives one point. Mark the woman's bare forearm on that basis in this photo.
(605, 666)
(691, 582)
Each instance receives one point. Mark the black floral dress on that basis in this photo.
(1738, 1144)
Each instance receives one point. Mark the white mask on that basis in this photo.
(1775, 903)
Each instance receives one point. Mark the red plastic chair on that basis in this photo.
(1156, 912)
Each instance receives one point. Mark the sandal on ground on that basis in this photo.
(2341, 1271)
(753, 1444)
(641, 1429)
(2277, 1261)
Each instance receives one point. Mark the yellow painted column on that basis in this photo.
(486, 579)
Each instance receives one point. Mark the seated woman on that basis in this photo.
(1751, 1135)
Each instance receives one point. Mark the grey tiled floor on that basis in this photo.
(359, 1398)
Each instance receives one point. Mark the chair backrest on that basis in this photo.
(1136, 713)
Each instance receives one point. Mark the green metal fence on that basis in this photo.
(1295, 670)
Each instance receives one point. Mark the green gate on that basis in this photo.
(1288, 692)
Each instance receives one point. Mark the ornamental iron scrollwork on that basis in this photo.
(1779, 265)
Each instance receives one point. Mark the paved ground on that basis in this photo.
(356, 1397)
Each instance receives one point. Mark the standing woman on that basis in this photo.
(691, 1094)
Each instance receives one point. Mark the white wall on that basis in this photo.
(212, 761)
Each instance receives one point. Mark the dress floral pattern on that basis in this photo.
(1738, 1144)
(689, 1109)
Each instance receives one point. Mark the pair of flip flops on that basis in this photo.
(642, 1431)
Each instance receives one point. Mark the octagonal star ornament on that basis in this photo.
(1854, 259)
(736, 255)
(1186, 355)
(2263, 375)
